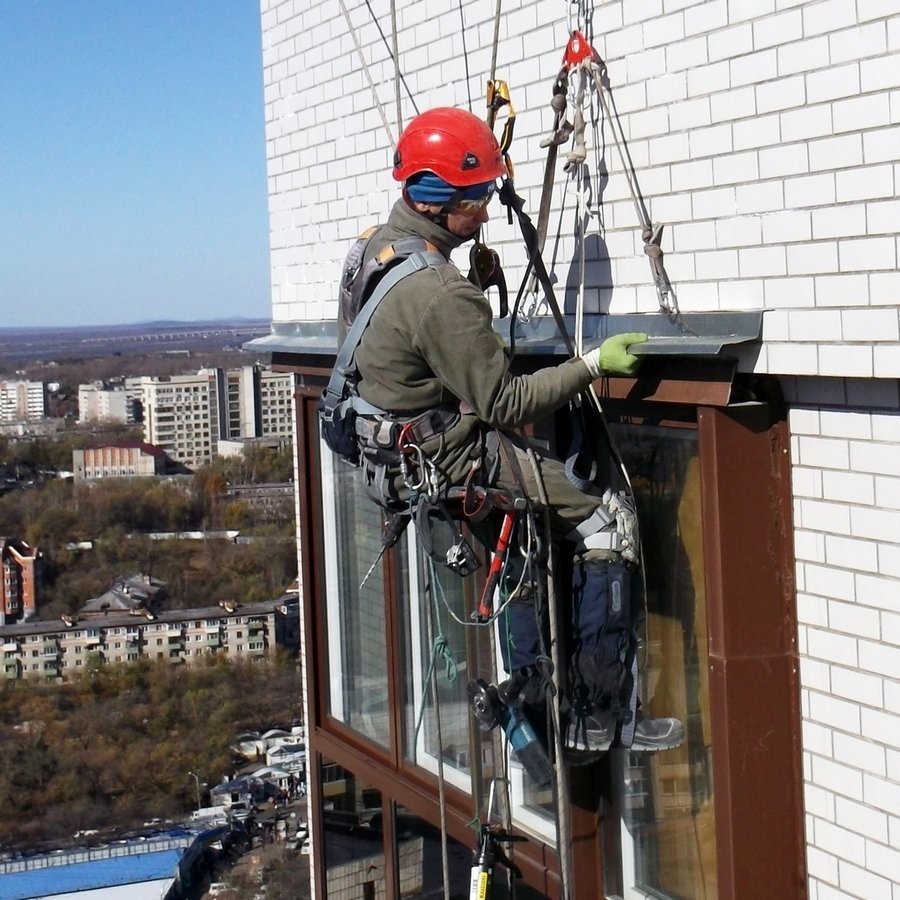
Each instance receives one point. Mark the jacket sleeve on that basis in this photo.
(455, 336)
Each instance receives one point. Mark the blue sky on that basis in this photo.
(132, 162)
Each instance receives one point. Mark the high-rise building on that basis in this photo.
(181, 415)
(256, 402)
(762, 436)
(187, 415)
(22, 401)
(99, 404)
(275, 400)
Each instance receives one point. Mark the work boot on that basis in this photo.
(652, 735)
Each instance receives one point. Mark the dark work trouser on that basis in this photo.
(598, 614)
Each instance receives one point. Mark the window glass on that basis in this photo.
(352, 823)
(437, 643)
(357, 644)
(666, 799)
(420, 859)
(451, 647)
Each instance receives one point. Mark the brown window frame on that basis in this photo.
(753, 659)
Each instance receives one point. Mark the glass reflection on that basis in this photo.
(420, 865)
(357, 637)
(666, 799)
(353, 835)
(438, 638)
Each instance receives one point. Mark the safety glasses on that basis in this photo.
(472, 207)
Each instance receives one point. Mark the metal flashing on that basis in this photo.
(711, 334)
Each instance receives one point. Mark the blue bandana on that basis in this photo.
(426, 187)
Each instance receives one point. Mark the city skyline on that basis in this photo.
(134, 182)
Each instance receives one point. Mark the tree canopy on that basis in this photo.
(117, 744)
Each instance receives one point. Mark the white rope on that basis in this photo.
(396, 55)
(563, 837)
(442, 798)
(368, 74)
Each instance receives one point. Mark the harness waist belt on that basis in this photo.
(601, 540)
(384, 431)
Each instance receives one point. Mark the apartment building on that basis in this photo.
(258, 403)
(762, 432)
(97, 403)
(19, 580)
(61, 649)
(22, 401)
(181, 415)
(187, 415)
(276, 404)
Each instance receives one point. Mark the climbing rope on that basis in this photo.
(462, 31)
(563, 838)
(395, 52)
(368, 74)
(392, 54)
(436, 700)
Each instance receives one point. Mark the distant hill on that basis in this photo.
(48, 343)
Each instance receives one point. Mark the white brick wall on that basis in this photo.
(847, 540)
(766, 136)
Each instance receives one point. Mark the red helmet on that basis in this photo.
(453, 144)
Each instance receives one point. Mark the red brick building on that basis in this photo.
(19, 582)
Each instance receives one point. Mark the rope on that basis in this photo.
(440, 646)
(563, 838)
(496, 41)
(435, 699)
(368, 74)
(396, 55)
(650, 234)
(384, 40)
(462, 31)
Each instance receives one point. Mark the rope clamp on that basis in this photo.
(578, 50)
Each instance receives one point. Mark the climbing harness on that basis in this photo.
(358, 279)
(340, 406)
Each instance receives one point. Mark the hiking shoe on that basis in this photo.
(651, 735)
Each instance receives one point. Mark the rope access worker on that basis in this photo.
(430, 363)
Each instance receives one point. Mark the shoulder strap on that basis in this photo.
(360, 278)
(344, 365)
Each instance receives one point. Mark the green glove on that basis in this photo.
(612, 356)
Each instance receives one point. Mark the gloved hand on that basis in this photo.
(612, 356)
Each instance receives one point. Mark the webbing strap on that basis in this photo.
(510, 199)
(345, 364)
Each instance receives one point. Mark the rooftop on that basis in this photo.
(91, 875)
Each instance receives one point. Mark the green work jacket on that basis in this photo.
(431, 342)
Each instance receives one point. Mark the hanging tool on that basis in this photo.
(485, 606)
(491, 711)
(577, 51)
(490, 852)
(497, 98)
(392, 533)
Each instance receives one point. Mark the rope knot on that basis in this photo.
(441, 649)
